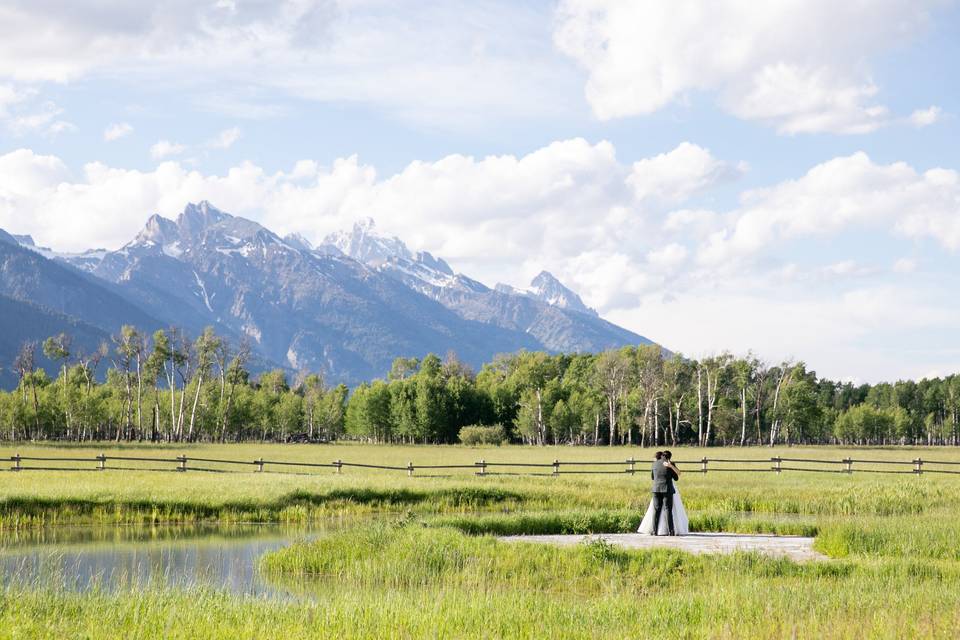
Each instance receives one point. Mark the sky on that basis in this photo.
(778, 177)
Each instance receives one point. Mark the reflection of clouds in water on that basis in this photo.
(85, 558)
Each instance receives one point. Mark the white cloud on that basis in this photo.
(675, 176)
(225, 139)
(28, 118)
(843, 193)
(24, 173)
(500, 218)
(667, 257)
(117, 130)
(11, 95)
(925, 117)
(442, 64)
(571, 207)
(165, 148)
(798, 66)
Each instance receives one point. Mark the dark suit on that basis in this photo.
(663, 491)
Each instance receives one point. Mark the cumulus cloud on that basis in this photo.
(164, 148)
(798, 66)
(675, 176)
(23, 173)
(117, 130)
(572, 207)
(840, 194)
(568, 206)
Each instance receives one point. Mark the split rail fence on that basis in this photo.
(630, 466)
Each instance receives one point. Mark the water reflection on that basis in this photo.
(82, 558)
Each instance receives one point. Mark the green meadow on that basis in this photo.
(422, 558)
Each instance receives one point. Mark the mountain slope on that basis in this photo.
(347, 307)
(21, 321)
(29, 277)
(305, 308)
(548, 311)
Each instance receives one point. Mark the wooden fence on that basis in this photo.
(631, 466)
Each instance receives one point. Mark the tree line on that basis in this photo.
(167, 387)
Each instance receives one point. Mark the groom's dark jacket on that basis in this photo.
(662, 476)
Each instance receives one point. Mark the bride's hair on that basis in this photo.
(667, 455)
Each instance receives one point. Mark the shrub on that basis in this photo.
(480, 434)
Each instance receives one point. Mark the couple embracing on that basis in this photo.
(666, 500)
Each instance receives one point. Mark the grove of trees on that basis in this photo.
(167, 387)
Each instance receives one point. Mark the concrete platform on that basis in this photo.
(796, 548)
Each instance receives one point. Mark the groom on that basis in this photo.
(663, 475)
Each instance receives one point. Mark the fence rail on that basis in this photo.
(776, 464)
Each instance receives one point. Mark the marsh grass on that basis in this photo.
(618, 593)
(427, 564)
(42, 498)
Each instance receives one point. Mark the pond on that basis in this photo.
(109, 558)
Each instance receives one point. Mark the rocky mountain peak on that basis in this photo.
(364, 244)
(198, 217)
(8, 239)
(546, 287)
(158, 230)
(297, 241)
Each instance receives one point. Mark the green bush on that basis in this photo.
(479, 434)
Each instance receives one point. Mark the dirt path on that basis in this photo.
(793, 547)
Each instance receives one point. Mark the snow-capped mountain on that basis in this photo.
(348, 306)
(547, 310)
(547, 288)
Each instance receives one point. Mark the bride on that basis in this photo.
(681, 526)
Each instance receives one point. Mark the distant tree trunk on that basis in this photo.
(139, 398)
(775, 425)
(699, 407)
(743, 415)
(712, 384)
(196, 399)
(612, 410)
(656, 422)
(541, 436)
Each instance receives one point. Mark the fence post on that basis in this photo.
(483, 467)
(848, 465)
(259, 463)
(339, 464)
(101, 462)
(410, 469)
(16, 462)
(918, 466)
(556, 468)
(632, 464)
(183, 463)
(776, 464)
(703, 465)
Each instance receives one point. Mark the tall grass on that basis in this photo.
(430, 566)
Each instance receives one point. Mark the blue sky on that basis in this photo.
(714, 175)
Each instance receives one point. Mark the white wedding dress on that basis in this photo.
(681, 526)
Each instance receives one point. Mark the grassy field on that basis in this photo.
(427, 568)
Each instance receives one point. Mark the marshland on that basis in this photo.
(378, 553)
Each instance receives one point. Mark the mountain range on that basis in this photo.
(347, 306)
